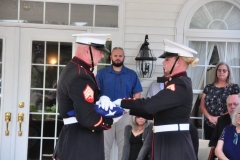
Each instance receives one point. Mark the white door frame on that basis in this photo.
(10, 36)
(16, 80)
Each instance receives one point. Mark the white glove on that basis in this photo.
(126, 110)
(105, 103)
(116, 119)
(118, 102)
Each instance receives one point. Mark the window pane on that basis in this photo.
(60, 69)
(232, 21)
(51, 76)
(106, 58)
(34, 143)
(215, 56)
(48, 144)
(210, 75)
(81, 15)
(35, 100)
(37, 64)
(236, 74)
(57, 13)
(196, 111)
(200, 47)
(101, 67)
(197, 75)
(31, 12)
(50, 101)
(52, 53)
(38, 51)
(106, 16)
(8, 10)
(65, 53)
(233, 50)
(37, 76)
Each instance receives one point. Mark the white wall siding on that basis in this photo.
(151, 15)
(150, 30)
(154, 7)
(174, 2)
(140, 37)
(157, 18)
(150, 22)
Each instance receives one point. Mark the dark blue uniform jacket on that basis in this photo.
(77, 90)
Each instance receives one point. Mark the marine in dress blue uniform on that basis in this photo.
(170, 108)
(82, 135)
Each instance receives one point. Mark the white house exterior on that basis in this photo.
(201, 24)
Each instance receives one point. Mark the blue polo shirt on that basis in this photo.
(123, 84)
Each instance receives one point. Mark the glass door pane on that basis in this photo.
(48, 59)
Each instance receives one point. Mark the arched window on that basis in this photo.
(213, 29)
(217, 15)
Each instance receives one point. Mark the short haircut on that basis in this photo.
(234, 117)
(118, 48)
(238, 95)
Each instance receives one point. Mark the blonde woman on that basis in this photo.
(137, 139)
(170, 108)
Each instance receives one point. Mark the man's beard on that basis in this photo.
(117, 64)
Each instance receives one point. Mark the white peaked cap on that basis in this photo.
(88, 38)
(95, 40)
(175, 49)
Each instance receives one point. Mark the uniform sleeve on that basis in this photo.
(141, 113)
(173, 96)
(147, 144)
(81, 91)
(126, 145)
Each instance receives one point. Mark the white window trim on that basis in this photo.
(183, 33)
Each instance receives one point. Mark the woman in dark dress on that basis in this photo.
(137, 139)
(213, 101)
(228, 146)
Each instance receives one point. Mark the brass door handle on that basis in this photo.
(7, 119)
(20, 120)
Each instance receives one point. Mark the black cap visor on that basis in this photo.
(168, 54)
(100, 47)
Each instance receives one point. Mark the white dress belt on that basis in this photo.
(171, 127)
(69, 120)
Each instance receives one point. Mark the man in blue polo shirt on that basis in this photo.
(117, 81)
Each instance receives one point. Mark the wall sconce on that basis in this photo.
(145, 61)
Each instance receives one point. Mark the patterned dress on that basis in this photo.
(215, 100)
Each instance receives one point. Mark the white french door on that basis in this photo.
(31, 63)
